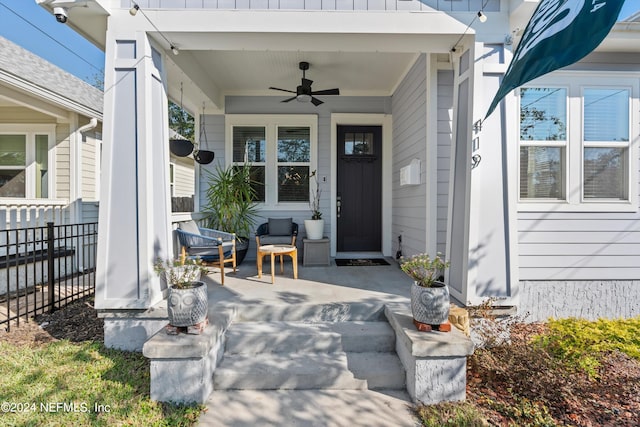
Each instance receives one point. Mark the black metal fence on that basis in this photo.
(45, 268)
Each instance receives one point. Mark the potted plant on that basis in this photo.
(314, 227)
(429, 294)
(187, 303)
(231, 205)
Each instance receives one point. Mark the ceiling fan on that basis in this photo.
(304, 92)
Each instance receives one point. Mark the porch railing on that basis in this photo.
(22, 213)
(45, 268)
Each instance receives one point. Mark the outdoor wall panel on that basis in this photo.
(445, 135)
(123, 231)
(409, 105)
(19, 115)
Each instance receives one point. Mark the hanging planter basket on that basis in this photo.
(204, 157)
(181, 147)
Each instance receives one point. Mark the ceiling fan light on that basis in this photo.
(303, 98)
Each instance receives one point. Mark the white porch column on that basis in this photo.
(134, 222)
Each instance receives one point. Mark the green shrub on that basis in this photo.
(581, 343)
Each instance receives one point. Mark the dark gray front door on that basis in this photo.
(359, 215)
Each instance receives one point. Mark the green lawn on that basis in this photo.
(63, 384)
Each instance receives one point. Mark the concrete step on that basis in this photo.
(298, 337)
(380, 370)
(303, 371)
(306, 312)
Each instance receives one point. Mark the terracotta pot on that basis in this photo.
(430, 305)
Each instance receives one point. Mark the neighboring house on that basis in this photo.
(50, 142)
(542, 215)
(182, 186)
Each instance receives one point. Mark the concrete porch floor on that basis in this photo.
(369, 286)
(314, 285)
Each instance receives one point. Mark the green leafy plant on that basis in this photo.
(582, 342)
(180, 274)
(231, 196)
(314, 202)
(424, 269)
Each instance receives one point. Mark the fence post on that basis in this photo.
(50, 266)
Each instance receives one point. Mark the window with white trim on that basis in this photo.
(282, 153)
(575, 150)
(25, 167)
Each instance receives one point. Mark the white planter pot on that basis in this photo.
(314, 228)
(189, 306)
(430, 305)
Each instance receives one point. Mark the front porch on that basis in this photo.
(310, 333)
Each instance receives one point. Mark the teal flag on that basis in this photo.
(559, 33)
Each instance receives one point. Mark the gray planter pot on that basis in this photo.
(188, 306)
(430, 305)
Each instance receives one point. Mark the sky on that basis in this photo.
(32, 27)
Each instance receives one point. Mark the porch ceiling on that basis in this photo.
(208, 76)
(245, 54)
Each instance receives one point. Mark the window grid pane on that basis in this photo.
(293, 183)
(605, 173)
(294, 144)
(249, 144)
(42, 166)
(13, 160)
(542, 172)
(12, 183)
(258, 182)
(543, 114)
(13, 150)
(358, 144)
(606, 115)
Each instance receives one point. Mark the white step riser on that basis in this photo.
(298, 338)
(310, 371)
(334, 312)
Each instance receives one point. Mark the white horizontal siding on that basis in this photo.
(183, 178)
(63, 163)
(373, 5)
(89, 168)
(409, 142)
(580, 247)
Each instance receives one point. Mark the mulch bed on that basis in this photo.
(509, 375)
(77, 322)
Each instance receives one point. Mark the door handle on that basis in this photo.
(338, 206)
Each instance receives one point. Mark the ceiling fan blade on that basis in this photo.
(316, 101)
(289, 99)
(327, 92)
(306, 83)
(284, 90)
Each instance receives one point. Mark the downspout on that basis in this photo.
(91, 125)
(77, 181)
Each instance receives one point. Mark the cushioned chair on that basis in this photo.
(282, 231)
(212, 246)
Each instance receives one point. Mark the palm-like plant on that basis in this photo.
(231, 205)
